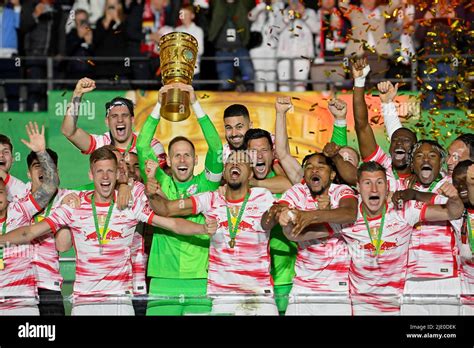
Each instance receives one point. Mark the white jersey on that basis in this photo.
(244, 269)
(16, 189)
(395, 181)
(105, 270)
(467, 264)
(17, 279)
(373, 277)
(321, 265)
(97, 141)
(433, 251)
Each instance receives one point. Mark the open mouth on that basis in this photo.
(3, 163)
(105, 185)
(374, 199)
(260, 167)
(315, 180)
(182, 169)
(400, 154)
(121, 130)
(234, 173)
(41, 178)
(464, 194)
(426, 171)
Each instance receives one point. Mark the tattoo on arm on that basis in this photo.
(74, 111)
(50, 179)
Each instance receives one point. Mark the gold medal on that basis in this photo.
(232, 243)
(2, 265)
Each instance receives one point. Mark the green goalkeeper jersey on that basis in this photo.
(172, 255)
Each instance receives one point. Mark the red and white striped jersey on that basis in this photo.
(383, 274)
(97, 141)
(385, 161)
(16, 189)
(321, 265)
(46, 257)
(467, 265)
(433, 251)
(18, 279)
(244, 269)
(139, 258)
(107, 269)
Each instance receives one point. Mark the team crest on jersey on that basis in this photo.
(192, 189)
(109, 236)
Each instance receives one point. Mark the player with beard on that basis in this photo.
(432, 258)
(321, 265)
(239, 261)
(282, 251)
(379, 239)
(18, 274)
(401, 142)
(102, 237)
(337, 149)
(15, 187)
(463, 180)
(461, 149)
(119, 120)
(178, 264)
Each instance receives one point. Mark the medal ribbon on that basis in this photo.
(46, 212)
(379, 234)
(4, 230)
(233, 229)
(100, 237)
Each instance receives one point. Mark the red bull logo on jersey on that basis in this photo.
(242, 226)
(109, 236)
(385, 246)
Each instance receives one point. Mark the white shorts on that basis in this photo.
(103, 309)
(303, 303)
(244, 305)
(25, 310)
(432, 297)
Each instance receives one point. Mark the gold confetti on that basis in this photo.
(323, 130)
(311, 132)
(204, 96)
(295, 98)
(90, 62)
(230, 81)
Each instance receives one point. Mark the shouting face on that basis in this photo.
(237, 170)
(3, 196)
(400, 147)
(120, 121)
(182, 160)
(426, 163)
(457, 152)
(318, 174)
(373, 189)
(261, 153)
(6, 158)
(104, 174)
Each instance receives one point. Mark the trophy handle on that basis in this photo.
(175, 105)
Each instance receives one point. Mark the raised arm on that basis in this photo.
(79, 137)
(338, 109)
(291, 166)
(365, 134)
(453, 208)
(388, 92)
(50, 182)
(345, 169)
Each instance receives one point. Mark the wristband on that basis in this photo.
(340, 123)
(198, 109)
(155, 113)
(360, 81)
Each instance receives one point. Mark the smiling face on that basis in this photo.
(104, 174)
(460, 183)
(237, 170)
(318, 174)
(373, 190)
(426, 163)
(6, 158)
(3, 197)
(120, 121)
(133, 167)
(235, 129)
(261, 154)
(457, 152)
(182, 160)
(400, 147)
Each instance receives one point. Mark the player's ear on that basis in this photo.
(107, 121)
(168, 162)
(196, 160)
(250, 125)
(90, 175)
(333, 175)
(28, 174)
(358, 187)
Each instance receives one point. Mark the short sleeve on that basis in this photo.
(140, 208)
(380, 157)
(414, 212)
(59, 217)
(202, 202)
(267, 200)
(16, 189)
(97, 141)
(291, 198)
(343, 192)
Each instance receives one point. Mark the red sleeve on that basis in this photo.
(7, 179)
(51, 225)
(423, 212)
(32, 199)
(150, 218)
(193, 200)
(372, 155)
(91, 147)
(284, 202)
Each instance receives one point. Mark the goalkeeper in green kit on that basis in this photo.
(178, 264)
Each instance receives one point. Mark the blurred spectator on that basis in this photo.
(401, 28)
(369, 32)
(145, 26)
(296, 41)
(110, 40)
(187, 18)
(446, 22)
(79, 44)
(95, 9)
(265, 18)
(39, 27)
(230, 32)
(10, 23)
(330, 42)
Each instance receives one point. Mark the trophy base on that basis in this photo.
(175, 105)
